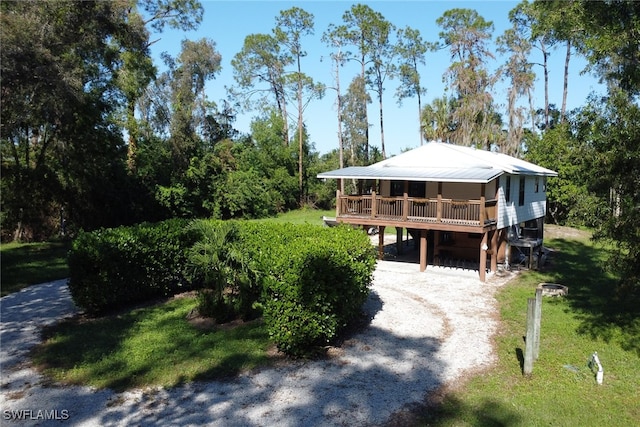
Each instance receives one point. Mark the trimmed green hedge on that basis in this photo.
(114, 268)
(310, 281)
(315, 281)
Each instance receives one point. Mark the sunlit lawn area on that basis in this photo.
(302, 216)
(562, 390)
(149, 346)
(25, 264)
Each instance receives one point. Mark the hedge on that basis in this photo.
(114, 268)
(310, 281)
(315, 281)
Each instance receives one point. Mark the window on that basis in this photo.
(417, 189)
(521, 191)
(507, 189)
(397, 188)
(536, 186)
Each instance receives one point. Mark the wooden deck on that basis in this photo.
(420, 213)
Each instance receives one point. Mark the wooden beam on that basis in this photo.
(423, 250)
(494, 250)
(483, 201)
(439, 206)
(483, 258)
(399, 242)
(381, 242)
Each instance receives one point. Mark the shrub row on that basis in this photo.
(310, 281)
(114, 268)
(314, 280)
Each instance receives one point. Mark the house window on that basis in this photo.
(521, 192)
(417, 189)
(397, 188)
(536, 186)
(507, 189)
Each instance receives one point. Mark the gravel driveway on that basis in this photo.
(427, 329)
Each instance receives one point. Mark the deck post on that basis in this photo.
(374, 204)
(439, 205)
(483, 208)
(423, 250)
(483, 257)
(494, 250)
(399, 240)
(381, 242)
(405, 201)
(338, 194)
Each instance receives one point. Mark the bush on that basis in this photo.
(229, 285)
(114, 268)
(315, 281)
(310, 281)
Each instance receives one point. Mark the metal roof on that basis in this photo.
(474, 175)
(436, 161)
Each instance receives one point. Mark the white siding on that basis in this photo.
(535, 204)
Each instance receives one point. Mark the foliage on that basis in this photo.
(571, 201)
(66, 100)
(467, 34)
(114, 268)
(25, 264)
(149, 347)
(315, 281)
(614, 132)
(229, 285)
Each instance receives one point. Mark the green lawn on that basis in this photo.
(562, 391)
(25, 264)
(149, 346)
(302, 216)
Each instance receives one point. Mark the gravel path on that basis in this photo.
(427, 329)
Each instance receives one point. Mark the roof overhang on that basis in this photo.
(432, 174)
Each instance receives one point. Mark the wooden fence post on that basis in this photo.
(529, 338)
(538, 318)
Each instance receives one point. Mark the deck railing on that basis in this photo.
(413, 209)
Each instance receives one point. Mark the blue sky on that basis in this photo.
(227, 23)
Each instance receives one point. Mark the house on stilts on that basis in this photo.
(458, 202)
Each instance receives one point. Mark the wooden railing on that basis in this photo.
(413, 209)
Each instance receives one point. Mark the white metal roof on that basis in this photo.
(436, 161)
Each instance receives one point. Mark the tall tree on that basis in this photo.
(521, 78)
(411, 49)
(332, 40)
(60, 93)
(261, 61)
(291, 25)
(381, 53)
(368, 31)
(198, 62)
(558, 22)
(354, 117)
(467, 35)
(612, 46)
(137, 69)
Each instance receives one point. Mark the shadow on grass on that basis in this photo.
(593, 293)
(28, 264)
(449, 410)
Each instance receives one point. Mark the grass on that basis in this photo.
(301, 216)
(25, 264)
(562, 390)
(149, 346)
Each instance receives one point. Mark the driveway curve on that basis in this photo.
(427, 329)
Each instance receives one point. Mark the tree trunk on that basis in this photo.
(546, 85)
(566, 82)
(384, 153)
